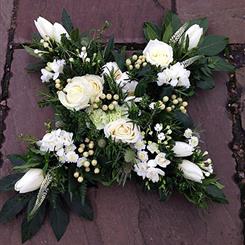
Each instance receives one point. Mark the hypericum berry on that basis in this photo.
(137, 66)
(96, 170)
(103, 96)
(165, 99)
(85, 154)
(128, 62)
(135, 57)
(116, 97)
(94, 162)
(109, 96)
(76, 174)
(175, 101)
(130, 67)
(173, 96)
(185, 103)
(86, 164)
(104, 107)
(169, 109)
(80, 179)
(91, 152)
(111, 107)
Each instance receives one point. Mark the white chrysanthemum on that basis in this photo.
(193, 141)
(175, 75)
(140, 145)
(71, 157)
(154, 174)
(188, 133)
(152, 147)
(142, 156)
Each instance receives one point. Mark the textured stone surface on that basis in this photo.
(127, 15)
(225, 17)
(6, 7)
(240, 76)
(128, 215)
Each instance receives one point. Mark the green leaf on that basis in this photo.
(16, 159)
(35, 67)
(12, 207)
(141, 88)
(108, 49)
(7, 183)
(212, 45)
(66, 21)
(171, 24)
(183, 119)
(206, 84)
(216, 194)
(76, 205)
(58, 216)
(120, 57)
(220, 64)
(151, 31)
(30, 227)
(30, 51)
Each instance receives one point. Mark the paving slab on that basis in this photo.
(127, 17)
(128, 215)
(225, 17)
(6, 7)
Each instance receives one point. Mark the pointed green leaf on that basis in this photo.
(12, 207)
(16, 159)
(151, 31)
(66, 21)
(206, 84)
(7, 183)
(216, 194)
(58, 216)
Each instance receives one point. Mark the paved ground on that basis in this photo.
(126, 216)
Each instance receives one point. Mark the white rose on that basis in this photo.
(182, 149)
(194, 34)
(191, 171)
(188, 133)
(76, 94)
(31, 181)
(193, 141)
(158, 53)
(48, 30)
(122, 130)
(96, 83)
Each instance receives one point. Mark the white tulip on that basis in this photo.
(44, 27)
(48, 30)
(194, 34)
(191, 171)
(182, 149)
(31, 181)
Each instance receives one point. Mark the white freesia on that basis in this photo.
(52, 70)
(175, 75)
(194, 34)
(154, 174)
(142, 156)
(122, 130)
(191, 171)
(153, 147)
(158, 53)
(31, 181)
(77, 94)
(182, 149)
(48, 30)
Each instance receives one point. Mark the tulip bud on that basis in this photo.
(44, 27)
(58, 31)
(194, 34)
(31, 181)
(182, 149)
(191, 171)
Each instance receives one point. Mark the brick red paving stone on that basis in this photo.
(240, 76)
(128, 215)
(225, 17)
(6, 7)
(126, 16)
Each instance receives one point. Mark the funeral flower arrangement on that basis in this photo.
(118, 115)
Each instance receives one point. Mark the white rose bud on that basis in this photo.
(158, 53)
(122, 130)
(194, 34)
(182, 149)
(31, 181)
(191, 171)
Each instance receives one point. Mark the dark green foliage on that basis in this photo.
(66, 21)
(7, 183)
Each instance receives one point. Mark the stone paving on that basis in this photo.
(127, 215)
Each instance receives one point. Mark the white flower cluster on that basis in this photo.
(52, 70)
(150, 168)
(61, 143)
(175, 75)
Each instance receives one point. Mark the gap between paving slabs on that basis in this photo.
(234, 105)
